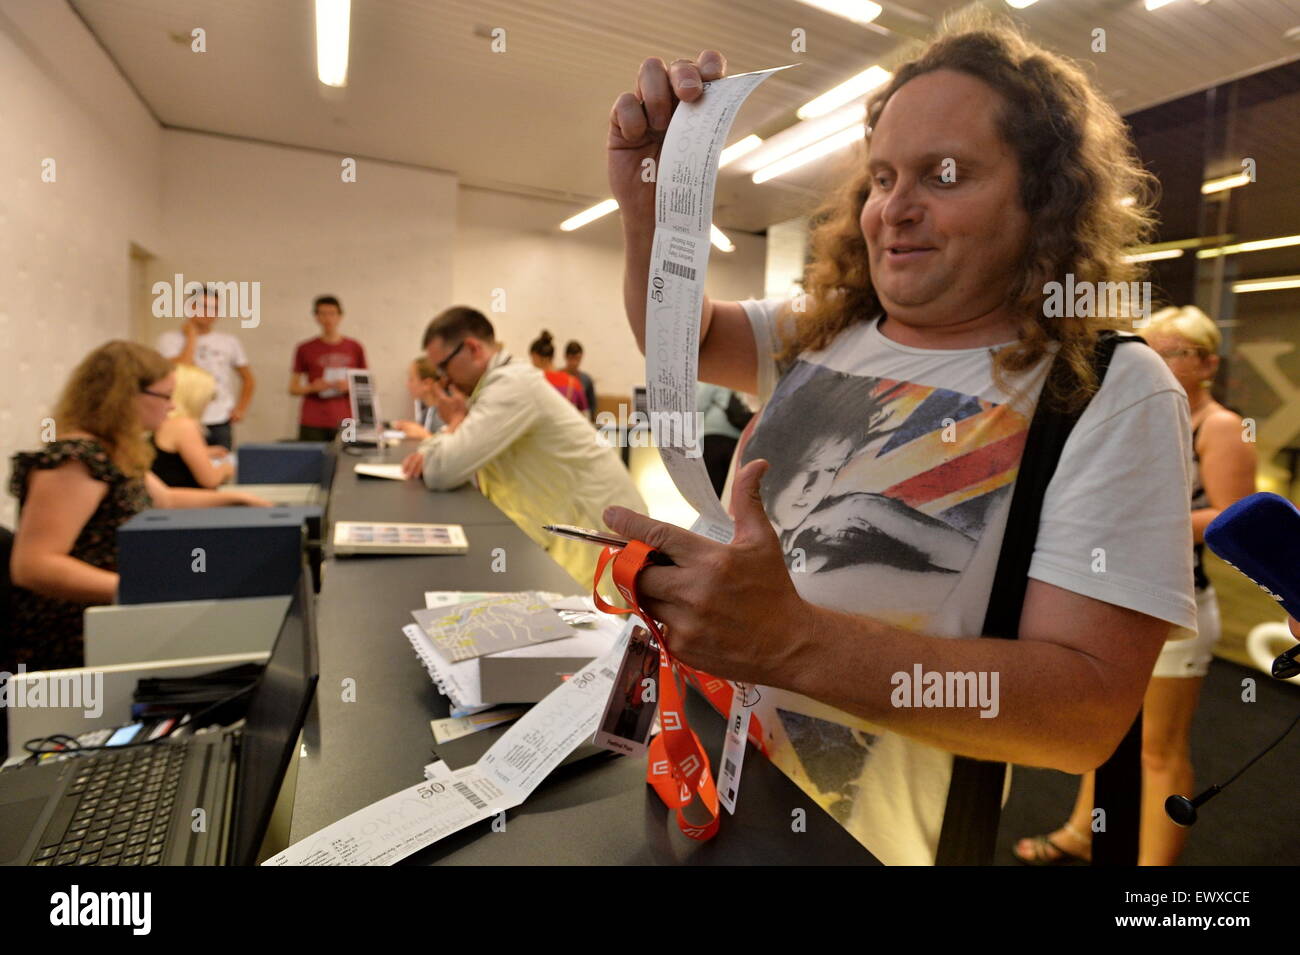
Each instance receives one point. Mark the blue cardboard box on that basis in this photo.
(210, 553)
(285, 462)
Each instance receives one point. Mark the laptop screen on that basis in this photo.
(276, 712)
(365, 406)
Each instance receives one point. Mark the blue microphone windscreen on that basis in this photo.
(1260, 536)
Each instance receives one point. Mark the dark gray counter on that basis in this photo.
(597, 811)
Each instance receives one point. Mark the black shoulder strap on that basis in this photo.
(970, 820)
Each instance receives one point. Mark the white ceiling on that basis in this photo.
(425, 87)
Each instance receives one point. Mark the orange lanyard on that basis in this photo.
(678, 765)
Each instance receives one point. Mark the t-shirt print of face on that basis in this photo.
(881, 484)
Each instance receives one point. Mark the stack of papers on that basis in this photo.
(516, 667)
(475, 628)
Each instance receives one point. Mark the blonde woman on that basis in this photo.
(1187, 339)
(183, 457)
(74, 493)
(422, 384)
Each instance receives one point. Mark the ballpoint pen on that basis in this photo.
(600, 537)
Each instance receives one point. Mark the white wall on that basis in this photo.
(570, 283)
(247, 212)
(64, 245)
(787, 249)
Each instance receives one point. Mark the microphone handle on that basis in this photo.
(1182, 810)
(1287, 663)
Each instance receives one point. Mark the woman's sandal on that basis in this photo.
(1043, 845)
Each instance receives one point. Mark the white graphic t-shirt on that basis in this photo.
(890, 477)
(219, 354)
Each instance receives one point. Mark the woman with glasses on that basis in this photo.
(1224, 463)
(91, 477)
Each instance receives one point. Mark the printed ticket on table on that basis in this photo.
(450, 728)
(401, 824)
(687, 174)
(542, 739)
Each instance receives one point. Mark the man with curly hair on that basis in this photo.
(991, 169)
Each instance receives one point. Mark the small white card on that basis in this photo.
(455, 727)
(392, 472)
(743, 697)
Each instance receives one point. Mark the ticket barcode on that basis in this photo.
(470, 795)
(684, 271)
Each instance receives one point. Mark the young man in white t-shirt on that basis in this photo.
(222, 356)
(866, 545)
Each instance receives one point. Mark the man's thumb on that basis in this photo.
(747, 501)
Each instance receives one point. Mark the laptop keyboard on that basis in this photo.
(118, 809)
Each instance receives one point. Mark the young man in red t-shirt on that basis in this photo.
(320, 374)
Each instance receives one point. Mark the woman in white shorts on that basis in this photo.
(1224, 460)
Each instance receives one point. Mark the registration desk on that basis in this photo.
(596, 811)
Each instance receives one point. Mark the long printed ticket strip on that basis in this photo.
(408, 821)
(679, 260)
(685, 182)
(403, 823)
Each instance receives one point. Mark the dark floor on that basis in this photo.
(1255, 821)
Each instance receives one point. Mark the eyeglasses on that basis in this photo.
(441, 367)
(155, 394)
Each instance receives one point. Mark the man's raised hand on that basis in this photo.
(639, 120)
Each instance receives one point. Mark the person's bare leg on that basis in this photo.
(1068, 836)
(1167, 714)
(1081, 815)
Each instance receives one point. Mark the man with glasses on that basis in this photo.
(534, 455)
